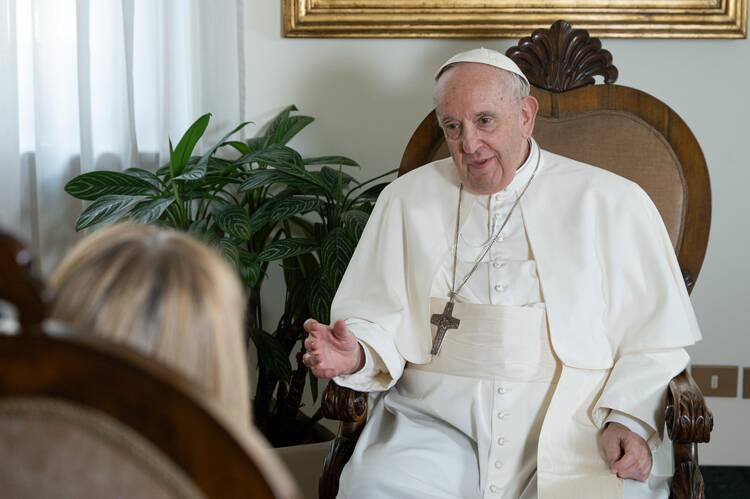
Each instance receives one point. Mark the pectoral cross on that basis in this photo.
(444, 322)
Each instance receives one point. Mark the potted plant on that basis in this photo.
(264, 203)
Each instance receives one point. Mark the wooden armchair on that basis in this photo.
(618, 128)
(88, 418)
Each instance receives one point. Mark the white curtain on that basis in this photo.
(101, 84)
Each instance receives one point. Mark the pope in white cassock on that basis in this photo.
(516, 316)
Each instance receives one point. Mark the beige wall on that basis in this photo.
(369, 95)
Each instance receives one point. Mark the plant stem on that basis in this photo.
(359, 186)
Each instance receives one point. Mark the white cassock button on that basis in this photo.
(501, 415)
(499, 197)
(501, 390)
(498, 464)
(501, 441)
(496, 264)
(496, 216)
(499, 287)
(494, 489)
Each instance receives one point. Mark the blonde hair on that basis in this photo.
(167, 296)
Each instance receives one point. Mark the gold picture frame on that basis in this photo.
(513, 18)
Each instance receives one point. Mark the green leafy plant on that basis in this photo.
(258, 201)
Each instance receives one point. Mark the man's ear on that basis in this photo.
(529, 107)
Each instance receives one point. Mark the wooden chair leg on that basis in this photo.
(349, 407)
(338, 455)
(687, 481)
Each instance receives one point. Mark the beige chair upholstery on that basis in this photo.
(62, 450)
(626, 145)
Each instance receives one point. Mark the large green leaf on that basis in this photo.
(319, 297)
(255, 143)
(249, 268)
(145, 175)
(305, 184)
(288, 207)
(240, 147)
(193, 172)
(106, 209)
(197, 171)
(287, 129)
(261, 178)
(284, 248)
(331, 160)
(277, 120)
(234, 221)
(93, 185)
(332, 178)
(335, 254)
(355, 221)
(284, 127)
(301, 182)
(231, 251)
(281, 208)
(179, 157)
(272, 355)
(278, 156)
(289, 162)
(148, 211)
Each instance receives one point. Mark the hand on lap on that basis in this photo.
(627, 453)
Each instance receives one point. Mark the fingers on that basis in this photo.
(340, 331)
(314, 327)
(311, 360)
(635, 464)
(316, 365)
(611, 445)
(311, 343)
(625, 463)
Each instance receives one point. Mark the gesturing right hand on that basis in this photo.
(331, 351)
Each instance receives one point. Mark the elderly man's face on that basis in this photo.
(486, 127)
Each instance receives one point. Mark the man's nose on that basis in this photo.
(469, 140)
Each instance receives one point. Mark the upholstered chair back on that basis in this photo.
(57, 449)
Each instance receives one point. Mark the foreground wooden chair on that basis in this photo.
(88, 418)
(625, 131)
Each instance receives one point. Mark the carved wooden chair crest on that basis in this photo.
(88, 418)
(625, 131)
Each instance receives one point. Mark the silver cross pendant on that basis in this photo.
(444, 322)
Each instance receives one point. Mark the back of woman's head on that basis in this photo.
(166, 295)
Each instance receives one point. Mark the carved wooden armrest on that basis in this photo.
(688, 418)
(689, 422)
(344, 404)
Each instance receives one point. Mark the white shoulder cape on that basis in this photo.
(608, 272)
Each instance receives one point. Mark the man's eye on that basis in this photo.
(451, 126)
(485, 120)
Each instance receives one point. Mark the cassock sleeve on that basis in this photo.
(374, 375)
(372, 294)
(650, 317)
